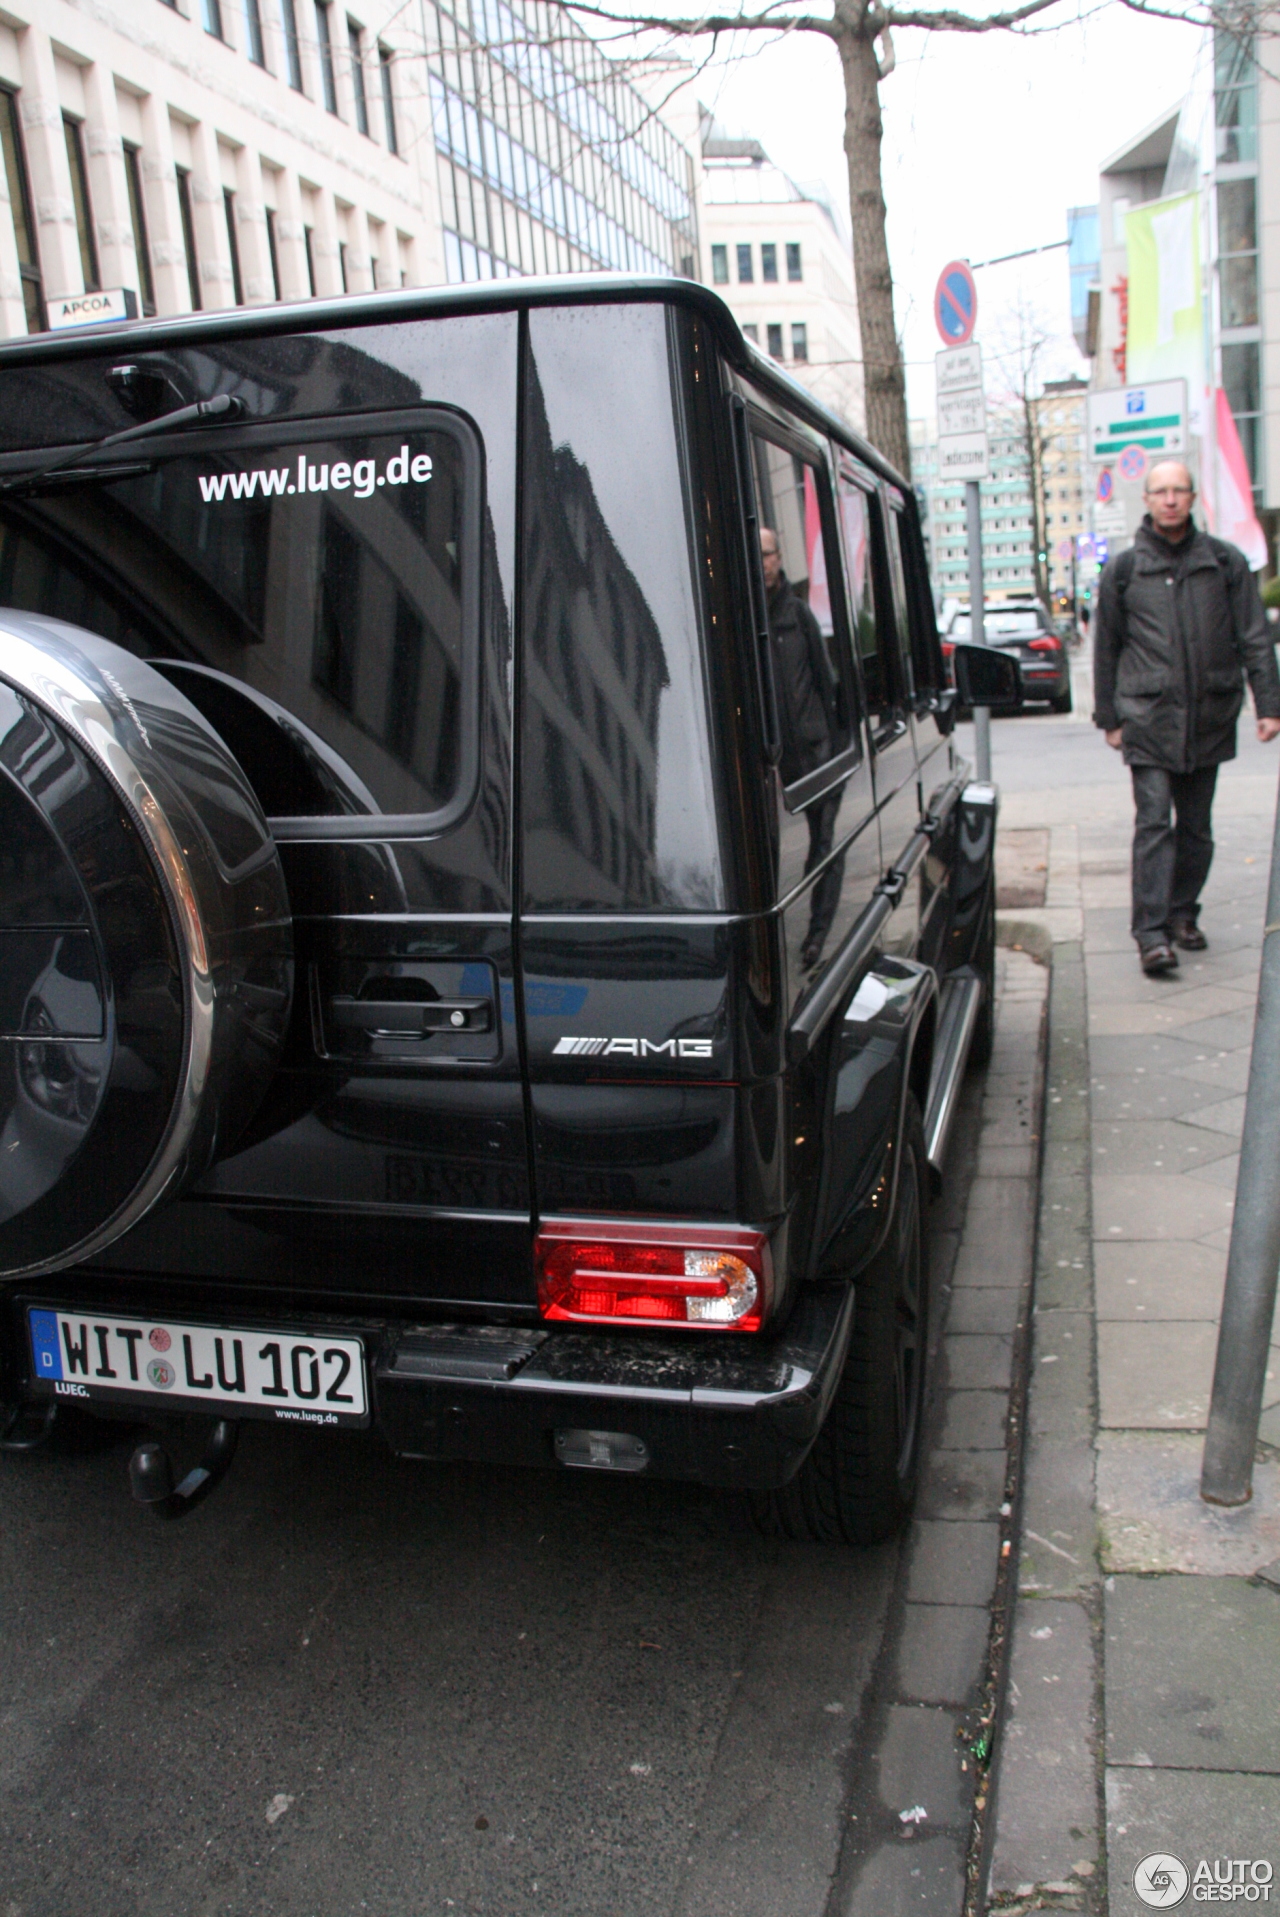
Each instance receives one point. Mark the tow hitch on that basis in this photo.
(151, 1473)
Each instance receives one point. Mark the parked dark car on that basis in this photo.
(1024, 629)
(422, 1001)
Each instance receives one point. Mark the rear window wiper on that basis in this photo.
(61, 464)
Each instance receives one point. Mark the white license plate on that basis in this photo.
(307, 1378)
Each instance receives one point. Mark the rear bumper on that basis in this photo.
(710, 1408)
(718, 1410)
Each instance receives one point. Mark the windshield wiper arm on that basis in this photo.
(223, 406)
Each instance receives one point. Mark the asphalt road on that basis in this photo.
(347, 1684)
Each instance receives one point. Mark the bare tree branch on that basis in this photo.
(947, 20)
(769, 21)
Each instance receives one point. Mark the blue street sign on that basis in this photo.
(955, 304)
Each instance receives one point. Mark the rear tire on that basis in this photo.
(1064, 703)
(858, 1483)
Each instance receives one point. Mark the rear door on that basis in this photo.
(329, 582)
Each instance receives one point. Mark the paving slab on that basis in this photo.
(1226, 1071)
(985, 1308)
(1141, 1281)
(975, 1420)
(962, 1484)
(1124, 1095)
(1138, 1145)
(1156, 1205)
(1152, 1518)
(1226, 1116)
(1154, 1053)
(1157, 1375)
(952, 1563)
(920, 1760)
(1196, 1815)
(942, 1653)
(978, 1361)
(911, 1877)
(1210, 1707)
(1059, 1527)
(1048, 1771)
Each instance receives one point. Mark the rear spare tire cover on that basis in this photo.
(146, 947)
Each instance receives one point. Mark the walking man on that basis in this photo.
(1179, 623)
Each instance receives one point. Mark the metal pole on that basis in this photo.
(977, 625)
(1248, 1302)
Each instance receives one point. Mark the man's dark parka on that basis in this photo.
(1171, 650)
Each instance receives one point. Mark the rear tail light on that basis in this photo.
(614, 1272)
(948, 647)
(1044, 645)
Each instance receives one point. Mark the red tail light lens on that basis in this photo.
(607, 1272)
(1044, 645)
(948, 648)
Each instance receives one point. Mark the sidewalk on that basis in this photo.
(1145, 1676)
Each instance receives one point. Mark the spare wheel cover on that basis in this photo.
(146, 950)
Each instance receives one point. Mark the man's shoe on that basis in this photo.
(1188, 935)
(1158, 960)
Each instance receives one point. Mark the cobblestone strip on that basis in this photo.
(1048, 1852)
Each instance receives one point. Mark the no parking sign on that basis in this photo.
(955, 304)
(1132, 463)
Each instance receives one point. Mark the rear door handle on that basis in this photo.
(413, 1018)
(891, 730)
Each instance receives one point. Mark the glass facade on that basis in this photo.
(550, 160)
(1236, 221)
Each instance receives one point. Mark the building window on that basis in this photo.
(793, 260)
(1238, 252)
(189, 236)
(80, 201)
(253, 33)
(324, 40)
(753, 333)
(138, 217)
(229, 207)
(385, 57)
(745, 271)
(342, 264)
(357, 77)
(1235, 96)
(292, 53)
(15, 173)
(720, 266)
(800, 342)
(271, 249)
(774, 336)
(1242, 384)
(769, 262)
(308, 241)
(211, 14)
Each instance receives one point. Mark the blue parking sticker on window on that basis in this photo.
(44, 1343)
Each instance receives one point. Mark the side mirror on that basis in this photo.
(988, 677)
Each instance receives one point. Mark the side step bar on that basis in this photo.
(957, 1016)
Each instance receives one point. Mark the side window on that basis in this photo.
(856, 509)
(811, 666)
(898, 587)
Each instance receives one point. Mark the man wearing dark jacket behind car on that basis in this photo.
(809, 722)
(1179, 622)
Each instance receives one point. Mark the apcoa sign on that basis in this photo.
(93, 309)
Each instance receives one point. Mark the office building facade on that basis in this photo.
(1008, 534)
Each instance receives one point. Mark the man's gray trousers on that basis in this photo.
(1172, 848)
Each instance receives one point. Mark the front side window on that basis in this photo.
(320, 590)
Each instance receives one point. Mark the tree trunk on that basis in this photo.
(883, 377)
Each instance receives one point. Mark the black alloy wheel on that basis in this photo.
(858, 1483)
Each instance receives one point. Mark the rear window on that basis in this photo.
(320, 582)
(999, 625)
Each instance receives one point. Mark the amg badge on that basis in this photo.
(633, 1047)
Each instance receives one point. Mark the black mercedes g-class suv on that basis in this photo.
(482, 952)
